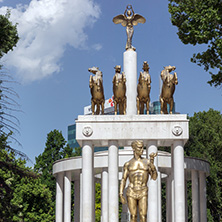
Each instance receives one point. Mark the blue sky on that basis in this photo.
(61, 39)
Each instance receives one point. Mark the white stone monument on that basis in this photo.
(114, 131)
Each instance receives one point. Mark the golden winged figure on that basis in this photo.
(128, 20)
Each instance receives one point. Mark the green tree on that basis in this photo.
(97, 202)
(8, 34)
(23, 196)
(55, 149)
(8, 40)
(33, 201)
(200, 22)
(11, 172)
(205, 142)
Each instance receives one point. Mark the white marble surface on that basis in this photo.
(126, 128)
(130, 70)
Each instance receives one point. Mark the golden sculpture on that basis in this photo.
(129, 19)
(143, 90)
(119, 90)
(96, 87)
(168, 88)
(137, 170)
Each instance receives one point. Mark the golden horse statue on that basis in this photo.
(168, 88)
(119, 91)
(143, 89)
(96, 87)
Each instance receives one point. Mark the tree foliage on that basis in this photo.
(205, 142)
(8, 34)
(200, 22)
(33, 201)
(8, 40)
(97, 202)
(55, 149)
(21, 190)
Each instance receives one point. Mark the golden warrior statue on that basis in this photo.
(137, 170)
(143, 89)
(129, 19)
(119, 90)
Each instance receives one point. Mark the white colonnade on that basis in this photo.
(64, 168)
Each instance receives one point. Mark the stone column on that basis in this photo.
(152, 214)
(168, 199)
(172, 186)
(203, 197)
(159, 197)
(130, 69)
(94, 190)
(179, 204)
(59, 197)
(186, 199)
(173, 200)
(77, 200)
(195, 196)
(87, 182)
(105, 196)
(67, 197)
(113, 171)
(80, 197)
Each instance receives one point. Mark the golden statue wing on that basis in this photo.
(138, 19)
(120, 19)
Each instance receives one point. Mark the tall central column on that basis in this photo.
(130, 70)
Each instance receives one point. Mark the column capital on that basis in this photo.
(113, 142)
(87, 142)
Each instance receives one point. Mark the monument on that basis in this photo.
(114, 131)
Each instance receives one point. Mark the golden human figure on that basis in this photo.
(119, 90)
(137, 170)
(129, 19)
(143, 89)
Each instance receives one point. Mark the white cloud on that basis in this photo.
(97, 46)
(45, 27)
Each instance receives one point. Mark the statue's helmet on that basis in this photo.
(117, 68)
(145, 65)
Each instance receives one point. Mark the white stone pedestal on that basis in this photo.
(130, 69)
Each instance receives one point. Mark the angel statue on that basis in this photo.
(129, 19)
